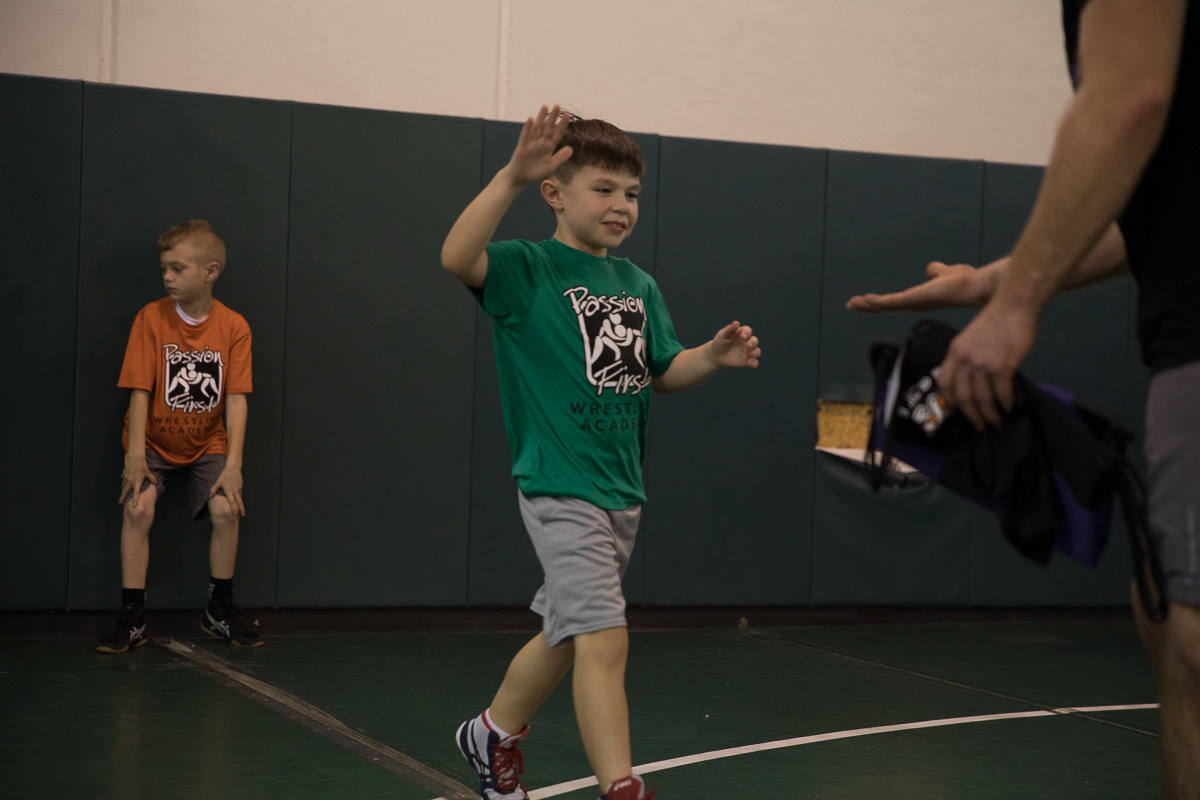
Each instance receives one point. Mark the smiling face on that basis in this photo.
(596, 209)
(187, 276)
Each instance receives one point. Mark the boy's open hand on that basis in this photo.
(535, 159)
(230, 480)
(132, 477)
(735, 345)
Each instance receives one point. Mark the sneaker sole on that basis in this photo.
(100, 648)
(222, 637)
(458, 740)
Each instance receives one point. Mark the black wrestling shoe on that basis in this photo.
(223, 620)
(130, 631)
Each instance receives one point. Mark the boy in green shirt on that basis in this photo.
(580, 336)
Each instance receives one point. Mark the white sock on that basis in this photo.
(487, 717)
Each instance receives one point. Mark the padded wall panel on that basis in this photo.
(1084, 345)
(40, 133)
(886, 218)
(730, 461)
(894, 547)
(504, 569)
(152, 159)
(377, 433)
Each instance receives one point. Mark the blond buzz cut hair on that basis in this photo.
(210, 245)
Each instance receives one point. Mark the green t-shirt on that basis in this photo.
(577, 340)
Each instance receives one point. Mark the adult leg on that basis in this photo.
(1173, 458)
(135, 538)
(600, 705)
(532, 675)
(1174, 647)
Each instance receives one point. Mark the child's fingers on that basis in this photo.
(235, 500)
(561, 156)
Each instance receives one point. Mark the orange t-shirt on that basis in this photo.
(188, 371)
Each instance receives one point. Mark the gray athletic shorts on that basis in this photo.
(202, 474)
(1173, 457)
(584, 551)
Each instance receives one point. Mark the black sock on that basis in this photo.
(133, 597)
(220, 589)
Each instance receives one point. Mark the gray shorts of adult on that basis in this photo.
(1173, 458)
(584, 550)
(202, 474)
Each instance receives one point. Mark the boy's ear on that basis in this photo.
(212, 270)
(552, 194)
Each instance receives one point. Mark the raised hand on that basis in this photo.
(735, 345)
(949, 286)
(534, 158)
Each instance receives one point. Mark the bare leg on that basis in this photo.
(531, 677)
(600, 704)
(1174, 647)
(222, 550)
(135, 539)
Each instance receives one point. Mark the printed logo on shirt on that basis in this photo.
(614, 341)
(194, 379)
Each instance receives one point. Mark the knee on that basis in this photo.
(141, 515)
(1174, 643)
(604, 649)
(220, 510)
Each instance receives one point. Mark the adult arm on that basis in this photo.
(962, 285)
(1128, 56)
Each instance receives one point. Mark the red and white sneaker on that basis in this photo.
(497, 760)
(631, 788)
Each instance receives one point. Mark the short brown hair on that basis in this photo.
(597, 143)
(212, 247)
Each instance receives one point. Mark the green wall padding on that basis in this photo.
(152, 159)
(730, 461)
(40, 130)
(886, 217)
(1083, 346)
(891, 547)
(376, 434)
(377, 472)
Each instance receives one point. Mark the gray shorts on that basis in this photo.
(584, 551)
(1173, 458)
(202, 474)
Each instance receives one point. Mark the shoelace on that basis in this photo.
(507, 766)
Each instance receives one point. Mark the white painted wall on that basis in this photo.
(957, 78)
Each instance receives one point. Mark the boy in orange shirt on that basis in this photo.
(188, 358)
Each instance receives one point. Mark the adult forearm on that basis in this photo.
(1128, 58)
(1093, 170)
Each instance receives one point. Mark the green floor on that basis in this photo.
(150, 724)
